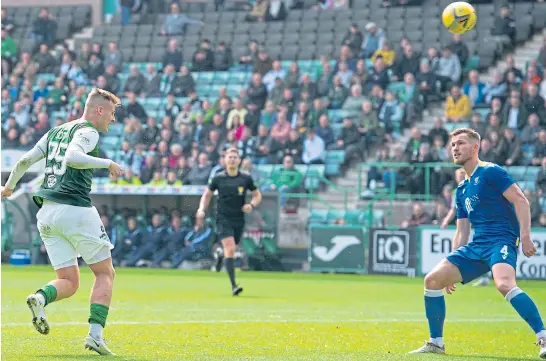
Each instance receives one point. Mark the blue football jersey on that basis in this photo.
(479, 198)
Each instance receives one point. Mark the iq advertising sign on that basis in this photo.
(392, 252)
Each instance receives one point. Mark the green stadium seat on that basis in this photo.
(313, 176)
(221, 77)
(452, 126)
(518, 173)
(109, 143)
(472, 63)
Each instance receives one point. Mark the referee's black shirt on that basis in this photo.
(231, 194)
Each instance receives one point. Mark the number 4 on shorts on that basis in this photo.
(504, 252)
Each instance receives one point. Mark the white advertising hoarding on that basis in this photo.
(436, 244)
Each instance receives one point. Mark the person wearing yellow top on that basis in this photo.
(157, 180)
(386, 52)
(128, 179)
(458, 107)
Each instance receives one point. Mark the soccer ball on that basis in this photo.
(459, 17)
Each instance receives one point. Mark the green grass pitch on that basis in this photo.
(175, 315)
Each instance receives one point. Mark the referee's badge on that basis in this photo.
(241, 190)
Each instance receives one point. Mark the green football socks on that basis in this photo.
(99, 313)
(49, 292)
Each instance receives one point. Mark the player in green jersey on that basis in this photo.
(69, 225)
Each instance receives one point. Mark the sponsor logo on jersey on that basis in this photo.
(477, 180)
(241, 190)
(51, 181)
(84, 140)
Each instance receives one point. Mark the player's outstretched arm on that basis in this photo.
(32, 156)
(462, 234)
(83, 142)
(523, 211)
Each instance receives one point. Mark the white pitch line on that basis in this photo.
(183, 322)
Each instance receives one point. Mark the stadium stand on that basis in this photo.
(330, 87)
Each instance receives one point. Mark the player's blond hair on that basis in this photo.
(470, 133)
(97, 95)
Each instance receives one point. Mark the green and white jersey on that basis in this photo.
(63, 183)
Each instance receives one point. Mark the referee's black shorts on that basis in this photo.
(226, 228)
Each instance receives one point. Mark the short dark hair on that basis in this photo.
(232, 150)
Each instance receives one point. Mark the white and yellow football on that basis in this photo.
(459, 17)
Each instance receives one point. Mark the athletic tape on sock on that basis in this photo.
(434, 293)
(513, 293)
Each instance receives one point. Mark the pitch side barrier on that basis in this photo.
(411, 251)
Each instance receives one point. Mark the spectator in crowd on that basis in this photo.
(134, 108)
(458, 107)
(262, 146)
(438, 131)
(279, 131)
(337, 93)
(277, 72)
(529, 134)
(175, 22)
(258, 12)
(129, 243)
(441, 210)
(354, 101)
(409, 98)
(349, 140)
(286, 180)
(257, 92)
(514, 115)
(276, 11)
(196, 243)
(223, 57)
(174, 242)
(419, 216)
(152, 241)
(459, 48)
(7, 22)
(173, 55)
(353, 39)
(127, 8)
(407, 63)
(44, 60)
(26, 67)
(449, 69)
(504, 27)
(294, 146)
(44, 28)
(313, 149)
(387, 53)
(474, 89)
(325, 131)
(540, 148)
(510, 148)
(200, 172)
(478, 125)
(496, 89)
(113, 56)
(374, 40)
(533, 102)
(390, 113)
(378, 75)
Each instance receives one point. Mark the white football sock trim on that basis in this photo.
(513, 293)
(434, 293)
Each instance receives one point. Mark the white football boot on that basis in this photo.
(430, 347)
(542, 344)
(99, 346)
(39, 319)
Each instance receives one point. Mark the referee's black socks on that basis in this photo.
(231, 271)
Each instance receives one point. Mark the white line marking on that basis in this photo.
(183, 322)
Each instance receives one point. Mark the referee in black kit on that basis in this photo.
(232, 185)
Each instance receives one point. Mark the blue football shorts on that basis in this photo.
(476, 259)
